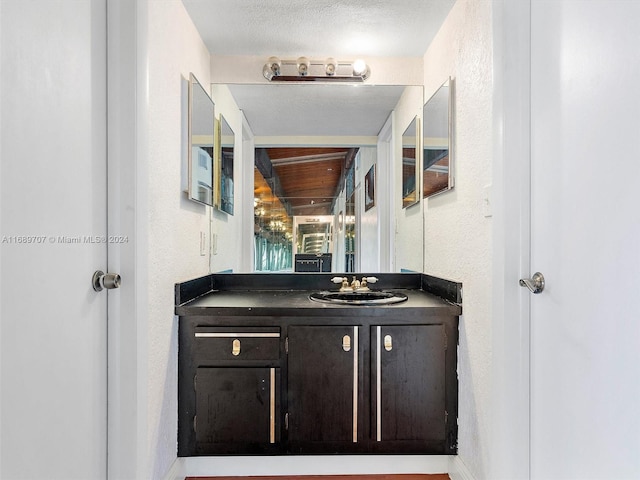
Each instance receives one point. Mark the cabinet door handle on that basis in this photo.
(378, 387)
(235, 349)
(272, 405)
(346, 343)
(388, 343)
(355, 384)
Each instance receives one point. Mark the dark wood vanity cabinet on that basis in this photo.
(292, 385)
(236, 409)
(409, 386)
(229, 390)
(324, 388)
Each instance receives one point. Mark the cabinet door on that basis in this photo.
(236, 409)
(409, 386)
(324, 384)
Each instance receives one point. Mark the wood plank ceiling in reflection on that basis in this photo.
(308, 178)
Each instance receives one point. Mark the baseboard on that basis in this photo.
(458, 470)
(307, 465)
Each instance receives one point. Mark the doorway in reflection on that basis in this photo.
(304, 209)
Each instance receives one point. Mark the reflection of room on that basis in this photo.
(437, 173)
(273, 229)
(201, 132)
(410, 164)
(227, 145)
(297, 195)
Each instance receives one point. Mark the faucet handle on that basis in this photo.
(371, 279)
(337, 279)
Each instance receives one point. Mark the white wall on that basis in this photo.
(408, 221)
(174, 223)
(369, 240)
(227, 229)
(457, 241)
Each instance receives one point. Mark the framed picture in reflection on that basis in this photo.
(370, 188)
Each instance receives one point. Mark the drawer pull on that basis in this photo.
(235, 351)
(388, 343)
(236, 334)
(346, 343)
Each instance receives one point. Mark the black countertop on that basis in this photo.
(263, 294)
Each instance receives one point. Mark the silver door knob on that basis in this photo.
(535, 284)
(103, 280)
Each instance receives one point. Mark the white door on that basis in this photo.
(53, 226)
(585, 239)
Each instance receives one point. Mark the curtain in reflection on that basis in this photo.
(272, 256)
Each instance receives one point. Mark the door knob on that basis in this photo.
(535, 284)
(103, 280)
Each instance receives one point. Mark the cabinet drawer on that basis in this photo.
(230, 343)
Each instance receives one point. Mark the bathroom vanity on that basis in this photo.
(265, 370)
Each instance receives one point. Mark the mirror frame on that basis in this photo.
(225, 200)
(411, 198)
(192, 193)
(449, 84)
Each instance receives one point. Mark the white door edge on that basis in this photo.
(510, 420)
(127, 51)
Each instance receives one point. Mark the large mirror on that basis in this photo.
(410, 164)
(227, 142)
(201, 144)
(437, 176)
(314, 145)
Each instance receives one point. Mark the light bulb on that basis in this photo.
(271, 68)
(274, 65)
(330, 66)
(303, 66)
(359, 67)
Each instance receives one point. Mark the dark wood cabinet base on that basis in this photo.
(266, 371)
(350, 385)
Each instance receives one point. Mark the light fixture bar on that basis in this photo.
(305, 70)
(316, 78)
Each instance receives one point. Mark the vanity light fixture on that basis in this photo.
(272, 68)
(330, 66)
(303, 66)
(305, 70)
(360, 68)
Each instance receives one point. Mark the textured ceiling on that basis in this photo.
(347, 28)
(343, 29)
(316, 109)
